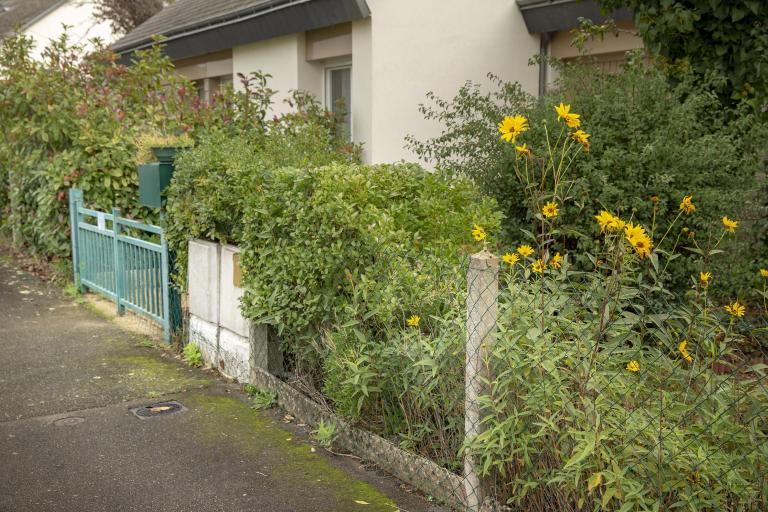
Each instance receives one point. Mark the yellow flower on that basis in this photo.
(550, 210)
(609, 222)
(478, 233)
(581, 136)
(640, 241)
(736, 309)
(556, 260)
(683, 348)
(704, 278)
(413, 320)
(655, 199)
(633, 366)
(525, 250)
(573, 121)
(511, 127)
(510, 258)
(764, 272)
(730, 224)
(564, 113)
(687, 206)
(523, 149)
(538, 266)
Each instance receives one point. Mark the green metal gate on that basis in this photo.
(124, 260)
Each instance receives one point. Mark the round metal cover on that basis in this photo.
(158, 409)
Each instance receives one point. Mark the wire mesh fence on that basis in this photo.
(526, 384)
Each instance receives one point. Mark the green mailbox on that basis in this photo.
(155, 177)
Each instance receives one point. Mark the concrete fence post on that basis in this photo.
(482, 313)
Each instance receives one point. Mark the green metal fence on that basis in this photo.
(124, 260)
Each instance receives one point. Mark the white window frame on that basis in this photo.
(346, 64)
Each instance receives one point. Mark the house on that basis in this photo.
(44, 20)
(381, 56)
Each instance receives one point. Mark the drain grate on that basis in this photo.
(158, 409)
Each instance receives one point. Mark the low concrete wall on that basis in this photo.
(216, 325)
(251, 353)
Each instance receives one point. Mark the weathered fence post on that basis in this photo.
(482, 312)
(117, 261)
(75, 200)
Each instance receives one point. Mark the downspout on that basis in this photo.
(544, 39)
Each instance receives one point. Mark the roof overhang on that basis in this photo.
(544, 16)
(273, 20)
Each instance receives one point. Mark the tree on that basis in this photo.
(728, 38)
(125, 15)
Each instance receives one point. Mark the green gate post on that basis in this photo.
(117, 260)
(166, 290)
(75, 201)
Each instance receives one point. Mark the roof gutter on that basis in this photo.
(362, 8)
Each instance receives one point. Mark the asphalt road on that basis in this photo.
(69, 440)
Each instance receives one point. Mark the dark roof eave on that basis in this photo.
(545, 16)
(283, 19)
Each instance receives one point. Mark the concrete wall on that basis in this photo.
(78, 14)
(435, 45)
(216, 325)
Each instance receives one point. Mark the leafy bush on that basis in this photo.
(651, 139)
(70, 121)
(213, 180)
(337, 257)
(597, 398)
(192, 355)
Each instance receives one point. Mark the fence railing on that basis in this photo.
(123, 260)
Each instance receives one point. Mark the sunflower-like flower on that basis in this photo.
(633, 366)
(735, 309)
(687, 206)
(639, 239)
(523, 149)
(764, 272)
(581, 136)
(478, 233)
(564, 113)
(704, 278)
(538, 266)
(683, 348)
(511, 127)
(510, 258)
(525, 250)
(413, 320)
(556, 261)
(550, 210)
(609, 222)
(730, 224)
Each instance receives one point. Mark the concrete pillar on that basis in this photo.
(482, 313)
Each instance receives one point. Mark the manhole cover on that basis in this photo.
(68, 422)
(158, 409)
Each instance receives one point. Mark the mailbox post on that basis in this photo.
(154, 179)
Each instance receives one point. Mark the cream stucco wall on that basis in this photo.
(284, 59)
(402, 51)
(434, 45)
(82, 27)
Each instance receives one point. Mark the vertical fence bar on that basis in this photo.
(482, 312)
(75, 198)
(116, 260)
(166, 290)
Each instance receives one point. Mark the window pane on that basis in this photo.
(340, 89)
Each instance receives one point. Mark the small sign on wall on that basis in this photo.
(237, 273)
(101, 221)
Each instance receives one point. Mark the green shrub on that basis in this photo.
(192, 355)
(213, 180)
(650, 138)
(604, 390)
